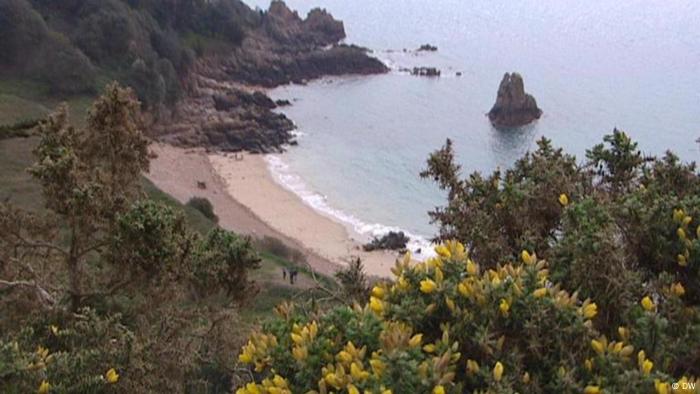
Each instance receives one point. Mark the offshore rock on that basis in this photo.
(513, 107)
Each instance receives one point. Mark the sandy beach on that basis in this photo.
(249, 201)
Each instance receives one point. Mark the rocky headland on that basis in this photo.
(513, 107)
(226, 107)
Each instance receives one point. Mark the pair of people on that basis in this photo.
(292, 275)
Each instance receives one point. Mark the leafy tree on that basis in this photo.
(87, 176)
(110, 283)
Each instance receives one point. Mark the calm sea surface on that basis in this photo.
(591, 65)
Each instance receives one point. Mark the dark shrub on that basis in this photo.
(204, 206)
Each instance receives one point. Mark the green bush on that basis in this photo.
(610, 303)
(278, 248)
(204, 206)
(449, 326)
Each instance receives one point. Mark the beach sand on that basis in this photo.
(247, 200)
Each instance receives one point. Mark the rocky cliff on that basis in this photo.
(221, 110)
(513, 106)
(287, 48)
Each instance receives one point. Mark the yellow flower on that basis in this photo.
(443, 251)
(427, 286)
(450, 304)
(44, 387)
(681, 233)
(678, 289)
(539, 293)
(472, 366)
(661, 387)
(464, 289)
(357, 373)
(472, 269)
(598, 346)
(352, 389)
(439, 390)
(42, 352)
(54, 329)
(641, 357)
(245, 358)
(415, 340)
(300, 353)
(591, 390)
(403, 283)
(378, 292)
(498, 371)
(697, 232)
(112, 376)
(439, 276)
(588, 364)
(648, 304)
(279, 381)
(563, 200)
(429, 348)
(590, 310)
(647, 365)
(624, 333)
(627, 351)
(527, 257)
(678, 215)
(504, 307)
(378, 366)
(687, 220)
(682, 260)
(376, 305)
(526, 378)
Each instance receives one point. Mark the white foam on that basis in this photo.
(283, 175)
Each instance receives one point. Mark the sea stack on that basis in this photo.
(513, 107)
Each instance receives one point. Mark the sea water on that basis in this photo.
(591, 65)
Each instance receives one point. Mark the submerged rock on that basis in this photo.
(425, 72)
(428, 48)
(513, 106)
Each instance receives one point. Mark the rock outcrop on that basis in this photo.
(225, 116)
(427, 48)
(391, 241)
(425, 71)
(287, 48)
(222, 111)
(513, 107)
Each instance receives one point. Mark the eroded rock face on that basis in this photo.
(287, 48)
(221, 109)
(513, 107)
(225, 116)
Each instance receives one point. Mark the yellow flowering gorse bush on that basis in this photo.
(447, 326)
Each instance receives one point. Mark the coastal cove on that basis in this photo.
(234, 184)
(363, 140)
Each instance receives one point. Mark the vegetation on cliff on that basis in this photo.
(73, 45)
(568, 278)
(104, 289)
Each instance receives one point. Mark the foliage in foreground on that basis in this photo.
(610, 303)
(105, 290)
(450, 326)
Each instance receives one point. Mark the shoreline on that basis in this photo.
(249, 201)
